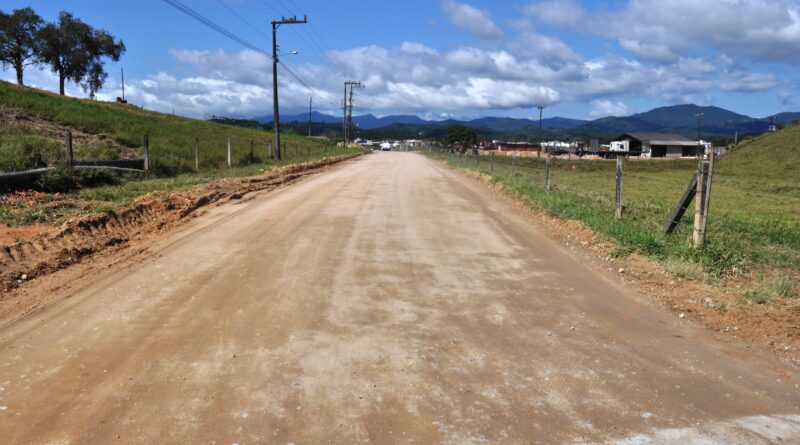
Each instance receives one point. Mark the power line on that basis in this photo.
(207, 22)
(198, 17)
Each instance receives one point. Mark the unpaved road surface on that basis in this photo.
(388, 300)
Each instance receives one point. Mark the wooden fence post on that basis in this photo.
(197, 153)
(547, 168)
(146, 152)
(700, 203)
(491, 164)
(618, 197)
(69, 148)
(514, 165)
(478, 159)
(252, 151)
(709, 180)
(229, 152)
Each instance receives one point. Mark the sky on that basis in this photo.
(449, 58)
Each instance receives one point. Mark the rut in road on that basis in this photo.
(388, 300)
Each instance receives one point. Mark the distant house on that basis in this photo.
(659, 145)
(515, 146)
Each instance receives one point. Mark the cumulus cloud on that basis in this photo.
(766, 30)
(606, 108)
(471, 19)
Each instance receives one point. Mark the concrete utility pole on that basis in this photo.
(699, 117)
(348, 108)
(276, 112)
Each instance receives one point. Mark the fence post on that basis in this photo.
(618, 197)
(700, 203)
(252, 151)
(709, 180)
(229, 152)
(547, 167)
(478, 159)
(514, 165)
(269, 145)
(308, 150)
(295, 150)
(69, 148)
(146, 152)
(197, 153)
(491, 164)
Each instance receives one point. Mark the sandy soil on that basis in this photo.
(389, 300)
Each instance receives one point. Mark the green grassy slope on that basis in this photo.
(754, 220)
(172, 138)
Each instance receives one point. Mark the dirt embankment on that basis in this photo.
(19, 120)
(720, 307)
(81, 237)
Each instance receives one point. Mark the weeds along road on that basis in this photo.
(388, 300)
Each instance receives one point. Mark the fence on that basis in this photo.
(581, 188)
(175, 156)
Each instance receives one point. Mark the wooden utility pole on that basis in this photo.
(618, 197)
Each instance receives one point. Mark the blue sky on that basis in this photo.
(452, 58)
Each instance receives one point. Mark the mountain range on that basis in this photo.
(674, 119)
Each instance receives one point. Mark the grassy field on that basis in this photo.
(172, 146)
(754, 220)
(172, 138)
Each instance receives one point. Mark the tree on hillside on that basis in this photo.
(75, 52)
(461, 135)
(18, 44)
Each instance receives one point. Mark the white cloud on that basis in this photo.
(605, 108)
(765, 30)
(471, 19)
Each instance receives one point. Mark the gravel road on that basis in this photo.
(387, 300)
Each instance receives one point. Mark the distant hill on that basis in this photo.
(716, 123)
(683, 116)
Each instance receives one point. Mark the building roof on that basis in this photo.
(659, 138)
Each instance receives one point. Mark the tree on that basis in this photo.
(461, 135)
(75, 52)
(18, 43)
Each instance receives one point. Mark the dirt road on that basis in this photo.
(389, 300)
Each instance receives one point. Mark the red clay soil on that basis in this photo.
(79, 238)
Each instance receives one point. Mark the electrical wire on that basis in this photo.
(205, 21)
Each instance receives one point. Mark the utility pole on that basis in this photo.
(276, 113)
(348, 108)
(122, 74)
(699, 117)
(310, 103)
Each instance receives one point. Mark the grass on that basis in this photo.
(172, 138)
(754, 220)
(172, 154)
(22, 150)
